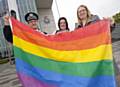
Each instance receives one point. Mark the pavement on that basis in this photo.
(8, 77)
(116, 55)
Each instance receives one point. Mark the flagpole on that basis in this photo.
(57, 8)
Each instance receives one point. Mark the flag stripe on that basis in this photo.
(77, 56)
(81, 44)
(64, 80)
(80, 69)
(28, 81)
(69, 36)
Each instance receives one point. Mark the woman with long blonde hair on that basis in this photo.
(85, 17)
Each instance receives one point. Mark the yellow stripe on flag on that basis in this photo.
(102, 52)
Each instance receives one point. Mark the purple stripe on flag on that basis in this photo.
(28, 81)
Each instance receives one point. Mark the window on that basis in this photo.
(3, 10)
(4, 49)
(25, 6)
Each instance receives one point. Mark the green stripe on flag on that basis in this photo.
(90, 69)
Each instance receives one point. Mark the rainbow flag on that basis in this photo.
(81, 58)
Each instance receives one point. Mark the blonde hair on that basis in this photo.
(88, 13)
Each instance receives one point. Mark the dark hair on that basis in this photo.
(33, 17)
(63, 18)
(13, 13)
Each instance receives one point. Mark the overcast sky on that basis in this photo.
(67, 8)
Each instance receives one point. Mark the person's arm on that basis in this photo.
(112, 27)
(7, 29)
(8, 33)
(57, 31)
(112, 23)
(95, 18)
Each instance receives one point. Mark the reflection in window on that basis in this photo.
(25, 6)
(3, 10)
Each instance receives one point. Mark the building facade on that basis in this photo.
(21, 7)
(41, 7)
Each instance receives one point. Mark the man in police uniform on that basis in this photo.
(32, 20)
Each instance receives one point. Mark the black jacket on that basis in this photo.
(8, 33)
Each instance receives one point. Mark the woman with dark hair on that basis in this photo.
(63, 25)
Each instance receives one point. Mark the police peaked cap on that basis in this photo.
(31, 16)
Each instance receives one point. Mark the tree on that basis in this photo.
(117, 17)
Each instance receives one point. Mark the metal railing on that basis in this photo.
(6, 48)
